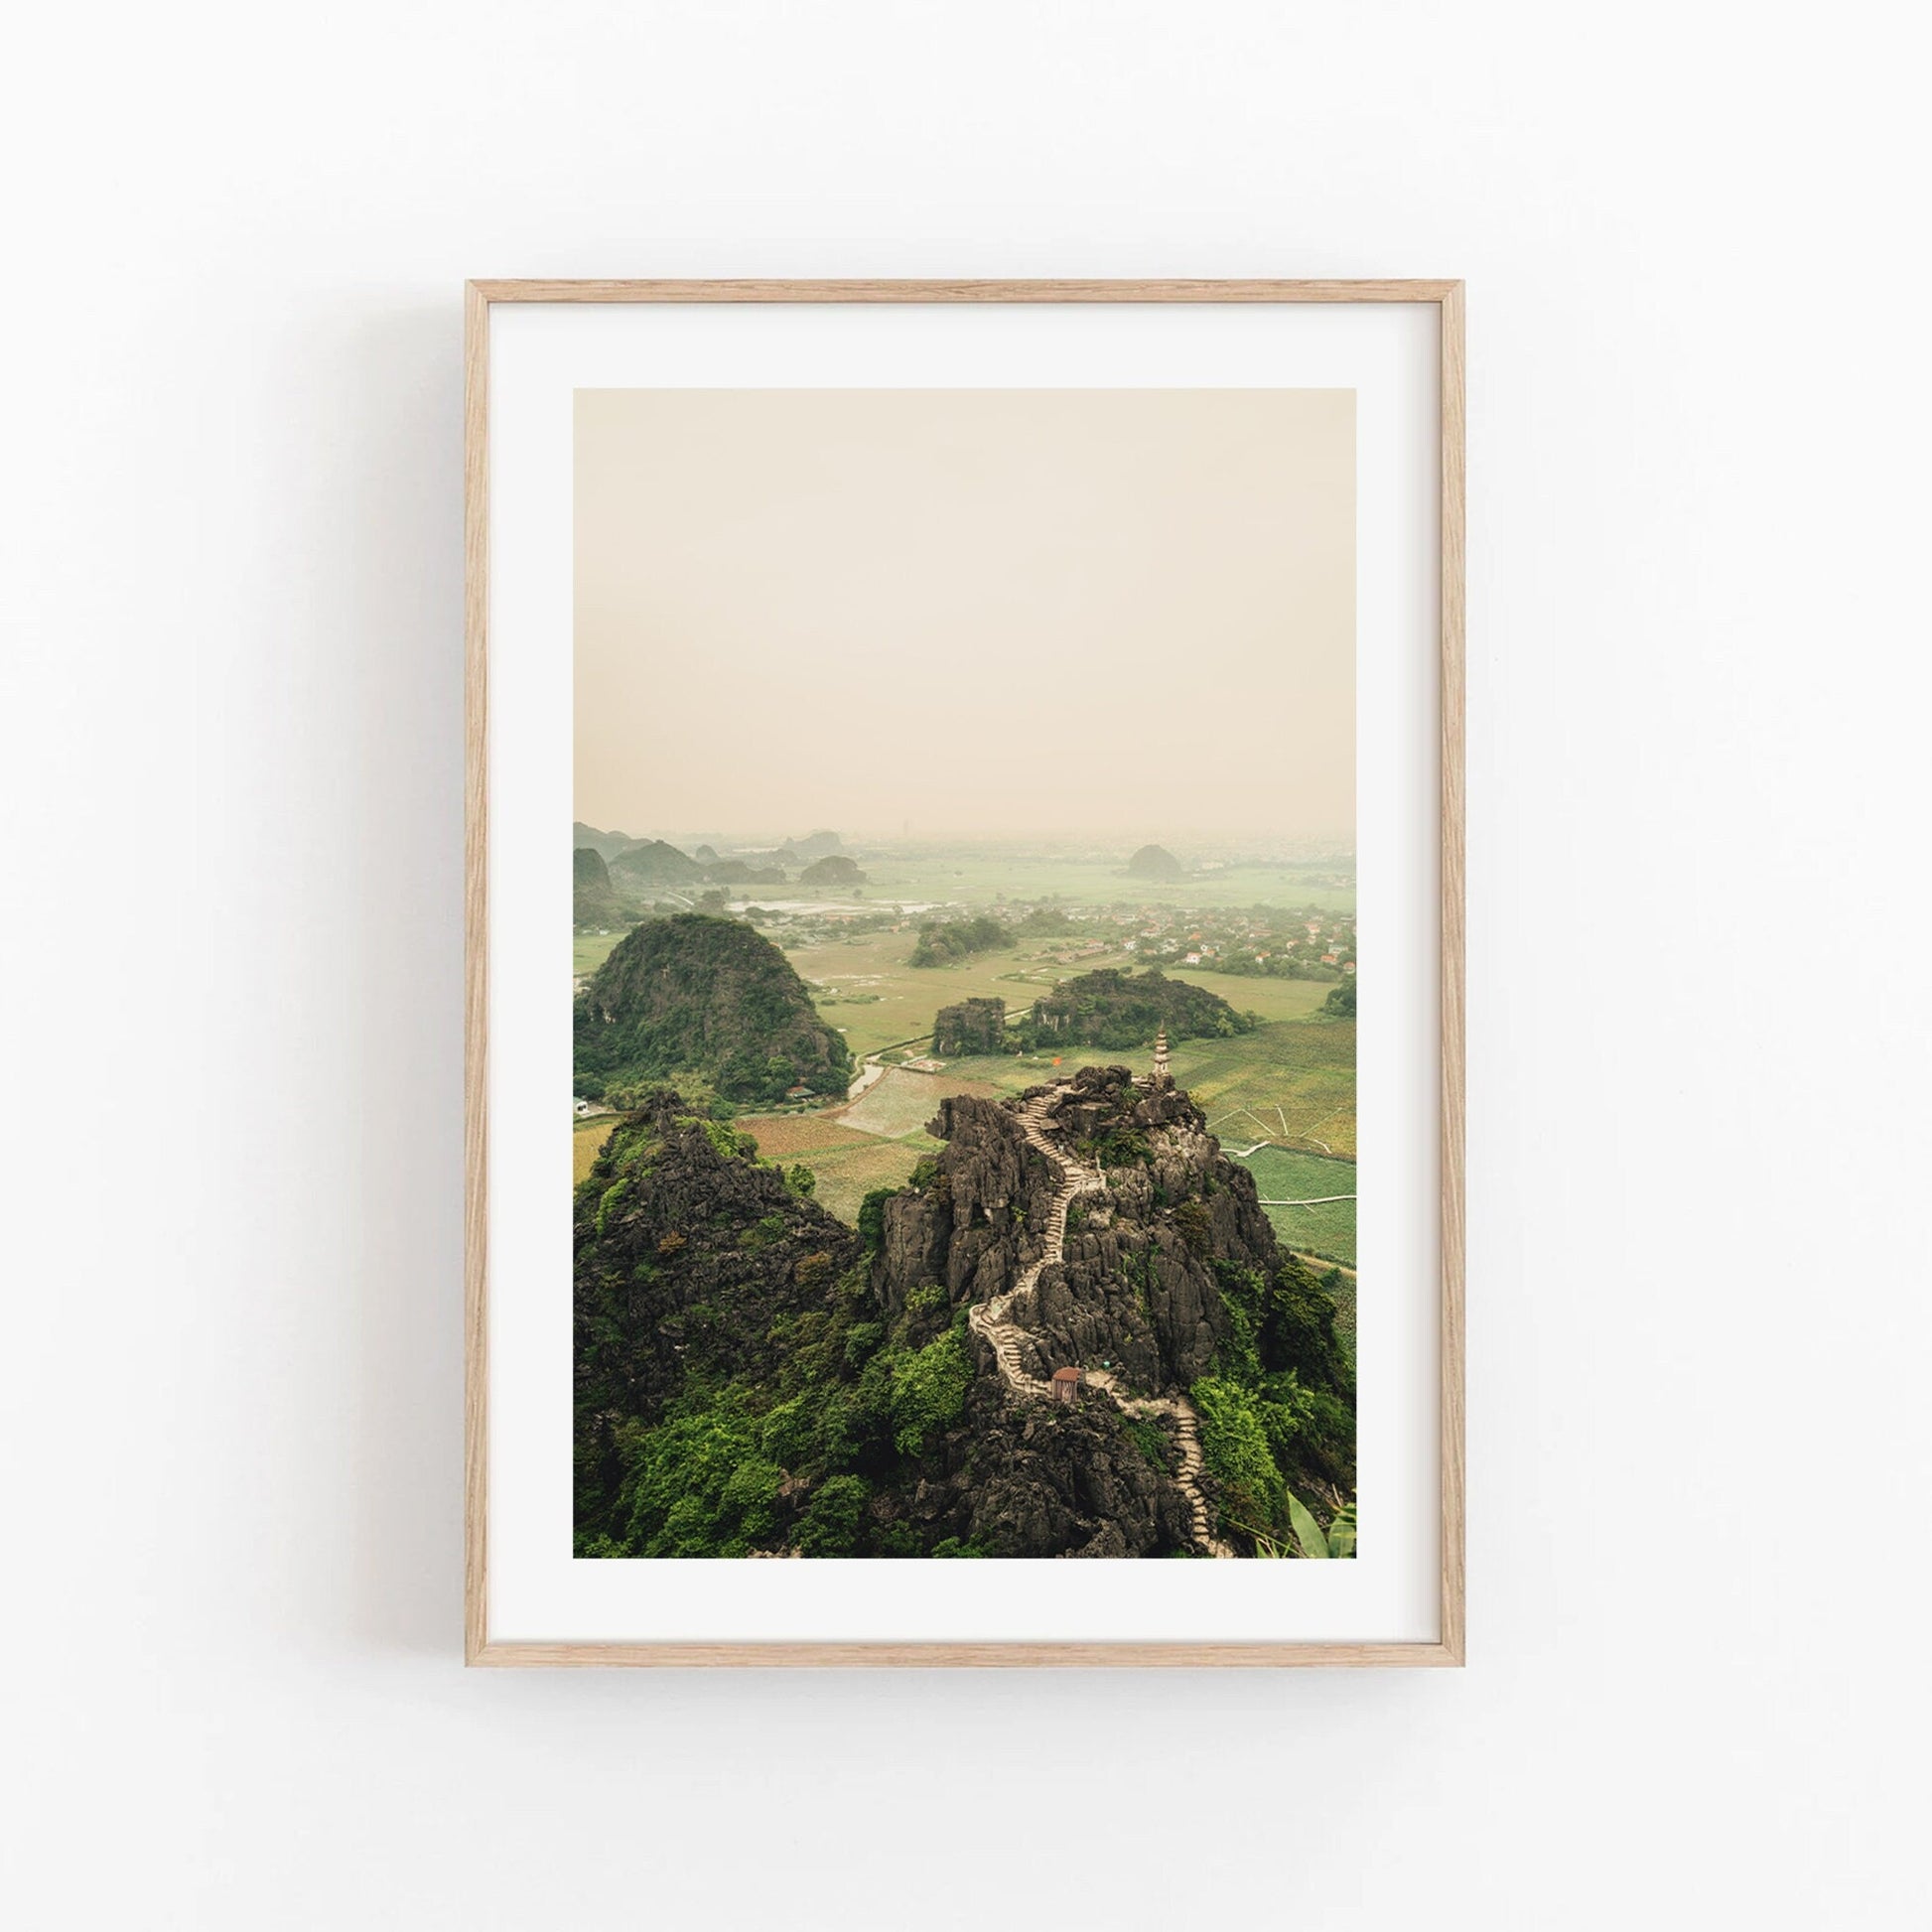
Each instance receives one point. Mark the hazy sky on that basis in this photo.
(1011, 612)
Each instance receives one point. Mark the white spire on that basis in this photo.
(1161, 1078)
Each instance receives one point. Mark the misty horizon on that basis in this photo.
(1086, 615)
(1129, 840)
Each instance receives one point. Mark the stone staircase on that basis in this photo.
(991, 1323)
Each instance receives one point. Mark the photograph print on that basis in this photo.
(964, 974)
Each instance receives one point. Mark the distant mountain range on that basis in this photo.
(634, 871)
(620, 878)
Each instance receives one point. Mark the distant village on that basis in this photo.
(1271, 942)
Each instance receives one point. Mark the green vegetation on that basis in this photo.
(752, 1375)
(594, 901)
(738, 1388)
(586, 1142)
(1152, 1440)
(1045, 923)
(763, 1397)
(1310, 1539)
(707, 994)
(969, 1027)
(1118, 1011)
(1289, 1082)
(1280, 1408)
(699, 1483)
(1338, 1540)
(903, 1102)
(948, 942)
(588, 950)
(847, 1175)
(928, 1391)
(1282, 1173)
(1234, 1445)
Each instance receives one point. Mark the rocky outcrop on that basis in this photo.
(972, 1027)
(1044, 1480)
(833, 874)
(1155, 862)
(594, 901)
(1135, 1285)
(1081, 1227)
(708, 996)
(690, 1258)
(1004, 1360)
(1114, 1010)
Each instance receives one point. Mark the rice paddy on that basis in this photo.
(1328, 1226)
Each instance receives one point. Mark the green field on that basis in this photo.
(1282, 1082)
(901, 1103)
(1294, 1080)
(1271, 999)
(587, 1139)
(1297, 1072)
(1281, 1175)
(588, 950)
(907, 996)
(904, 998)
(846, 1176)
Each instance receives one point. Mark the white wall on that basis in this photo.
(230, 743)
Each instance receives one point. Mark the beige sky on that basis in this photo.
(1019, 612)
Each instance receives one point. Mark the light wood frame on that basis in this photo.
(480, 298)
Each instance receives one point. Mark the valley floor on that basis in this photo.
(1286, 1091)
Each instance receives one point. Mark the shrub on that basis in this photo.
(834, 1518)
(1151, 1440)
(872, 1217)
(861, 1341)
(1190, 1217)
(1234, 1445)
(928, 1391)
(699, 1483)
(607, 1202)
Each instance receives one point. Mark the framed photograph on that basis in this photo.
(995, 721)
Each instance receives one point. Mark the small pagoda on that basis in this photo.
(1162, 1077)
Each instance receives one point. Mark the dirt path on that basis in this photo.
(990, 1323)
